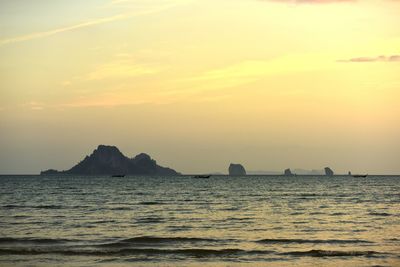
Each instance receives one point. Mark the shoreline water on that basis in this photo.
(221, 221)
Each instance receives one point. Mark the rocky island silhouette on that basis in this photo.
(108, 160)
(236, 170)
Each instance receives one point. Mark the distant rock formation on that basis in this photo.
(308, 172)
(108, 160)
(236, 170)
(50, 172)
(288, 172)
(349, 173)
(328, 171)
(263, 172)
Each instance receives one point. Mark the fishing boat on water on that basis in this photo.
(360, 175)
(206, 176)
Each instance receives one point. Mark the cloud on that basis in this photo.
(310, 1)
(249, 71)
(119, 69)
(319, 1)
(124, 65)
(145, 11)
(392, 58)
(33, 105)
(115, 97)
(115, 2)
(42, 34)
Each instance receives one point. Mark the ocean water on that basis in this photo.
(181, 221)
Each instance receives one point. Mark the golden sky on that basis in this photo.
(198, 84)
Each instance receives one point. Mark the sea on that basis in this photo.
(183, 221)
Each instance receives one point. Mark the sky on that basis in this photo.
(198, 84)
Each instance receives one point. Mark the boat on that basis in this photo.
(202, 176)
(118, 175)
(360, 175)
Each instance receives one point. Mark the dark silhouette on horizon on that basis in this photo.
(288, 172)
(328, 172)
(202, 176)
(108, 160)
(236, 170)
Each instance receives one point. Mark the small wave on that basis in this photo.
(11, 206)
(8, 240)
(47, 207)
(179, 228)
(358, 230)
(380, 214)
(21, 217)
(313, 241)
(149, 220)
(121, 208)
(148, 240)
(147, 251)
(308, 195)
(296, 213)
(103, 221)
(338, 214)
(230, 209)
(150, 203)
(332, 253)
(316, 213)
(246, 219)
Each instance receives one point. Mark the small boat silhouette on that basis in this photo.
(360, 175)
(202, 176)
(118, 175)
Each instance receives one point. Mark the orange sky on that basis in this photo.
(200, 84)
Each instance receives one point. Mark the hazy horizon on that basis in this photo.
(295, 170)
(200, 84)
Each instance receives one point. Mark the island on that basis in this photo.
(236, 170)
(108, 160)
(328, 171)
(288, 172)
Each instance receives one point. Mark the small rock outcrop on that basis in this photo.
(236, 170)
(50, 172)
(288, 172)
(328, 171)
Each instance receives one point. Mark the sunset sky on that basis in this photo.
(198, 84)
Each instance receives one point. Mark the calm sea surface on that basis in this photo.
(181, 221)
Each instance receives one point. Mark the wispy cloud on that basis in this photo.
(310, 1)
(42, 34)
(228, 76)
(249, 71)
(115, 2)
(120, 69)
(121, 66)
(392, 58)
(120, 96)
(98, 21)
(104, 100)
(141, 3)
(319, 1)
(34, 105)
